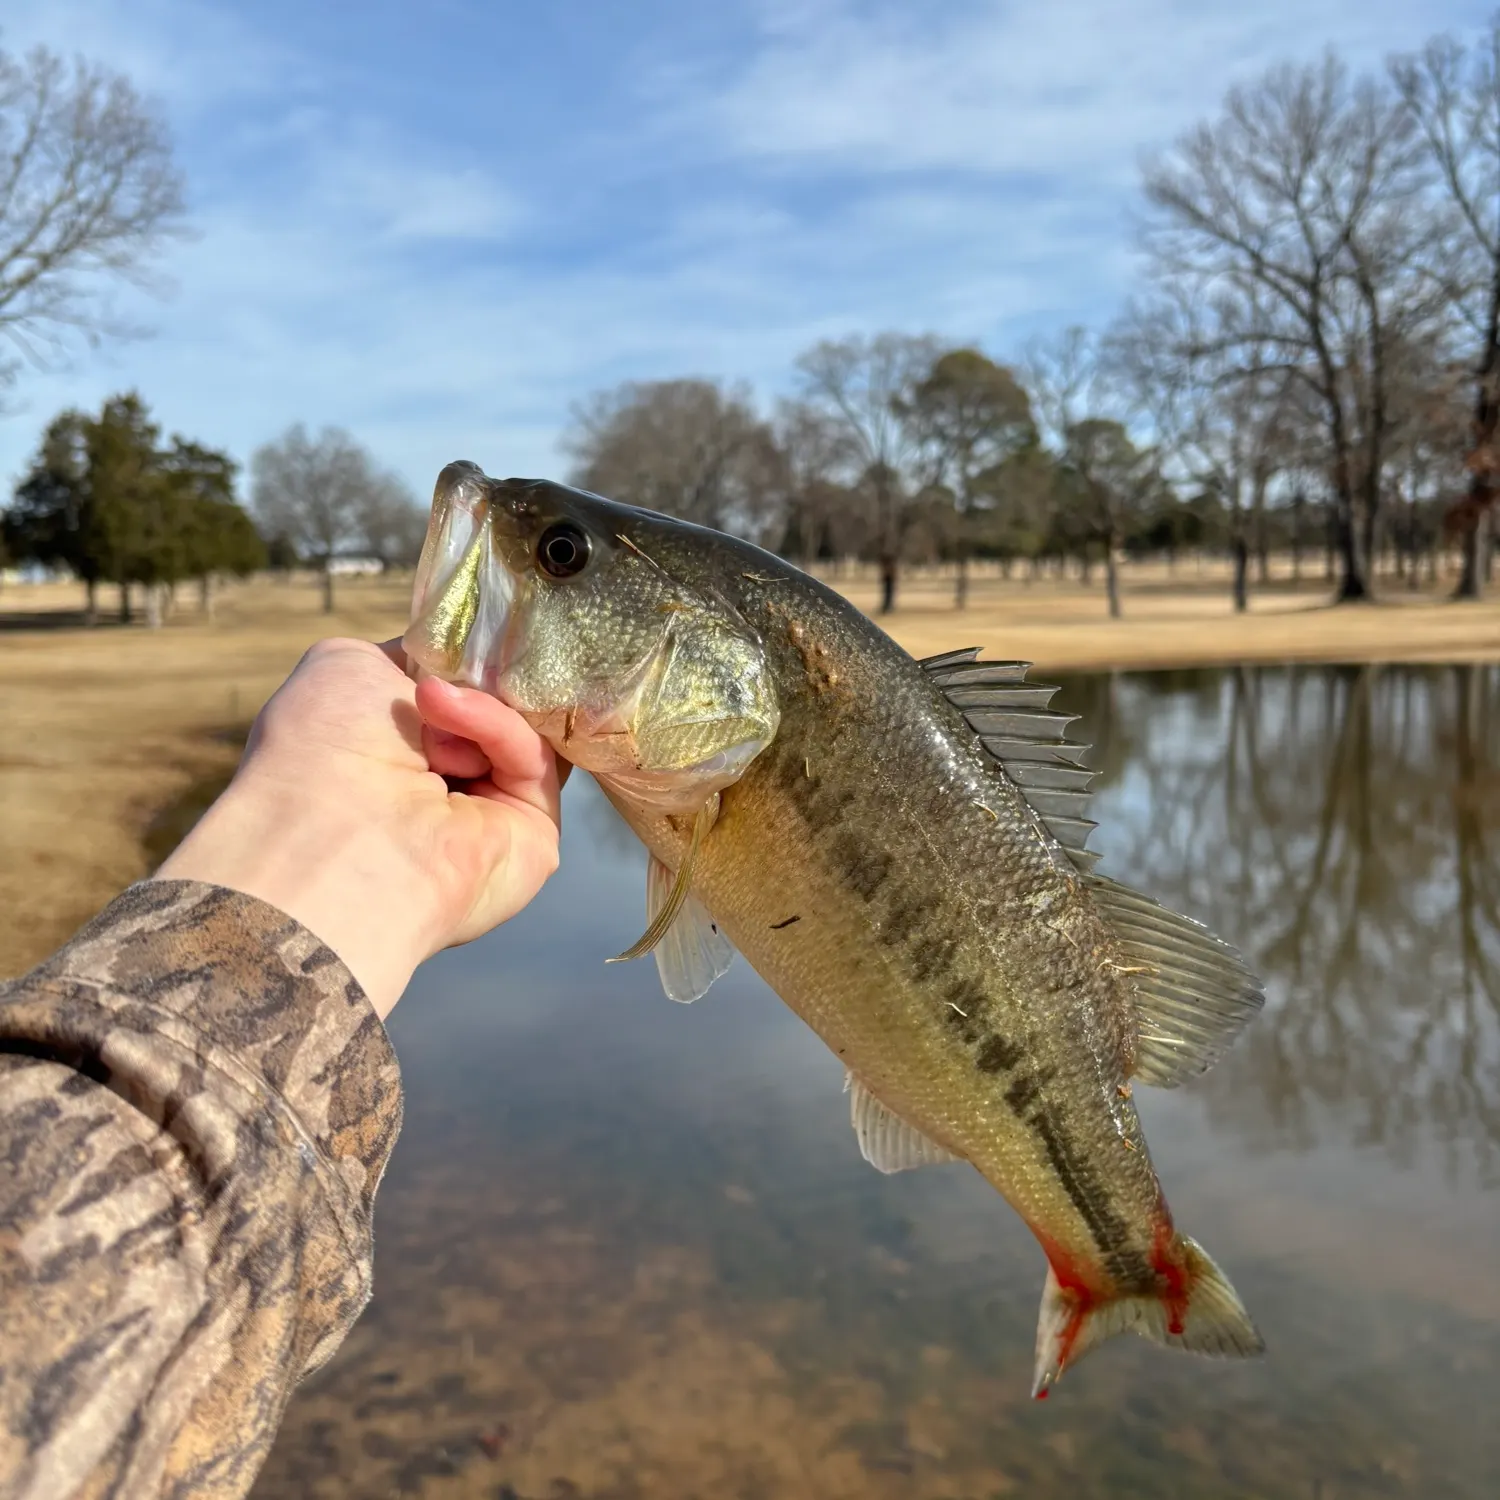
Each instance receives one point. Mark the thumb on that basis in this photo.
(522, 764)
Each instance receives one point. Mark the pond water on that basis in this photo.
(628, 1248)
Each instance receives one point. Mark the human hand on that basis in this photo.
(339, 813)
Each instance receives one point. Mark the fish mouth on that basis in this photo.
(464, 595)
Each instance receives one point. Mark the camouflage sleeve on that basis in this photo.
(196, 1106)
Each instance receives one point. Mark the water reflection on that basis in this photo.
(628, 1248)
(1344, 827)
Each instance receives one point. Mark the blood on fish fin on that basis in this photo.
(666, 912)
(1015, 725)
(1194, 992)
(886, 1141)
(692, 952)
(1195, 1309)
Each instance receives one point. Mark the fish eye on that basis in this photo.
(562, 550)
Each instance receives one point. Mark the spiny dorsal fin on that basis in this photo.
(886, 1141)
(1014, 723)
(1194, 993)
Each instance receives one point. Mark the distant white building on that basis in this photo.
(34, 573)
(355, 567)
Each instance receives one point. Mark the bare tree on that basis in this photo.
(814, 452)
(968, 415)
(1226, 417)
(1454, 97)
(1302, 213)
(88, 193)
(858, 384)
(315, 492)
(391, 522)
(691, 448)
(1104, 480)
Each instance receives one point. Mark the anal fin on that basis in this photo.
(886, 1141)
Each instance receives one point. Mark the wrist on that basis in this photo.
(340, 876)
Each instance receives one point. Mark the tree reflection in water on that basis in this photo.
(1342, 826)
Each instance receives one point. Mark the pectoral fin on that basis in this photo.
(666, 913)
(692, 952)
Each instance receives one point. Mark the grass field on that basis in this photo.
(104, 732)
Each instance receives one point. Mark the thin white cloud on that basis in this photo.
(1071, 85)
(193, 54)
(848, 170)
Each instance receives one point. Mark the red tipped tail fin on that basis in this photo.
(1198, 1311)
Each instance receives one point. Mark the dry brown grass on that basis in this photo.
(100, 729)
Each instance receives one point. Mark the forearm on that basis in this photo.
(196, 1105)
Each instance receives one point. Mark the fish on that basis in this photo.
(897, 847)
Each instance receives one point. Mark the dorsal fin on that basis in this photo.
(1193, 992)
(1014, 723)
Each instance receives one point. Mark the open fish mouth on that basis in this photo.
(537, 594)
(464, 595)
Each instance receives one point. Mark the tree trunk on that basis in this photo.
(206, 596)
(1468, 573)
(887, 585)
(1112, 577)
(1262, 547)
(1241, 575)
(124, 604)
(327, 590)
(1352, 585)
(90, 601)
(1480, 498)
(154, 597)
(1368, 549)
(961, 584)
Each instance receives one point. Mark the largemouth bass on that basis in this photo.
(896, 847)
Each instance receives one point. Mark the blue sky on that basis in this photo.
(439, 224)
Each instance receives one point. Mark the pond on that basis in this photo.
(628, 1248)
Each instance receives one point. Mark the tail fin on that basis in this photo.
(1199, 1312)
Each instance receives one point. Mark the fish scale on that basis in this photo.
(858, 826)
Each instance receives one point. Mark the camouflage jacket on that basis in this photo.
(196, 1105)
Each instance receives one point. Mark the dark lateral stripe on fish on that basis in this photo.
(818, 805)
(905, 920)
(864, 869)
(932, 957)
(1023, 1093)
(998, 1054)
(966, 999)
(1108, 1230)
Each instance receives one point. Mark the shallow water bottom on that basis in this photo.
(628, 1248)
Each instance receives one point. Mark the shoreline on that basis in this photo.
(108, 730)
